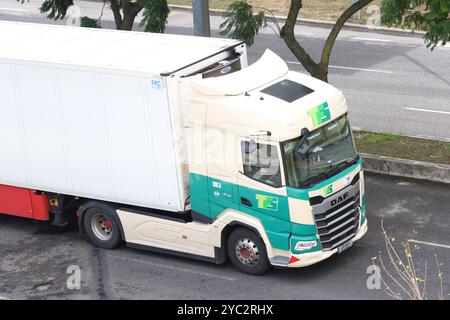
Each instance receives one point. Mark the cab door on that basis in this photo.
(261, 185)
(262, 192)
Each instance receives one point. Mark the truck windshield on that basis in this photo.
(325, 152)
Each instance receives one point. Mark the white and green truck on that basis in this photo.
(174, 144)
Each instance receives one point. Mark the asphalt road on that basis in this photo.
(381, 75)
(34, 258)
(392, 83)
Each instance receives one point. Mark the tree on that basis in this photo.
(432, 16)
(155, 13)
(244, 24)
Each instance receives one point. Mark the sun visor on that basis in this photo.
(267, 69)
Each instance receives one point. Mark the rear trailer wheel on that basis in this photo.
(247, 252)
(102, 227)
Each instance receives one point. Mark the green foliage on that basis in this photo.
(56, 9)
(155, 15)
(374, 138)
(87, 22)
(242, 23)
(432, 16)
(155, 12)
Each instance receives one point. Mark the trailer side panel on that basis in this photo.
(97, 135)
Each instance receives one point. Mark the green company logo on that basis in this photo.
(266, 202)
(328, 189)
(320, 114)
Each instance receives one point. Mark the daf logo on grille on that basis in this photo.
(347, 180)
(339, 199)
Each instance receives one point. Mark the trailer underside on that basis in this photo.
(24, 203)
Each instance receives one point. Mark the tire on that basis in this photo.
(247, 251)
(102, 227)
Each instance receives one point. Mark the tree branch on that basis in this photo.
(116, 13)
(347, 14)
(131, 8)
(101, 14)
(125, 12)
(137, 7)
(125, 4)
(288, 35)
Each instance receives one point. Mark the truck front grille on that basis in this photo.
(337, 216)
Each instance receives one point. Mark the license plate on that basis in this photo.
(345, 246)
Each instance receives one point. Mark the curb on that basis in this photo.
(323, 23)
(407, 168)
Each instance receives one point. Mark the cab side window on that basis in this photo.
(261, 162)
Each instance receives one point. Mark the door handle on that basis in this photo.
(246, 202)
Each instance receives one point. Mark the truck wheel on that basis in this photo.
(102, 227)
(247, 252)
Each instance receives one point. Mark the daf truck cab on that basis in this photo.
(280, 166)
(195, 154)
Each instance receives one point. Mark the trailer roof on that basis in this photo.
(121, 50)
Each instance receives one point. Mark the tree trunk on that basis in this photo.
(287, 34)
(127, 22)
(317, 70)
(320, 72)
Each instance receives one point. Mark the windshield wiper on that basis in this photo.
(302, 147)
(343, 165)
(315, 179)
(325, 175)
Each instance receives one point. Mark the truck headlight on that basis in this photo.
(305, 245)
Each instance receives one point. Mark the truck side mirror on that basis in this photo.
(302, 147)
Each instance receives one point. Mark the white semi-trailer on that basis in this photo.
(172, 143)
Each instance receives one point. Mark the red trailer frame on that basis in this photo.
(24, 203)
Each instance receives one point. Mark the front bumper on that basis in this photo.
(307, 259)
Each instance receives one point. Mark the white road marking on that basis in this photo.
(447, 46)
(430, 244)
(378, 44)
(427, 110)
(362, 69)
(14, 9)
(349, 68)
(371, 39)
(164, 266)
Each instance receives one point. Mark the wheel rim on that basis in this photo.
(247, 252)
(102, 227)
